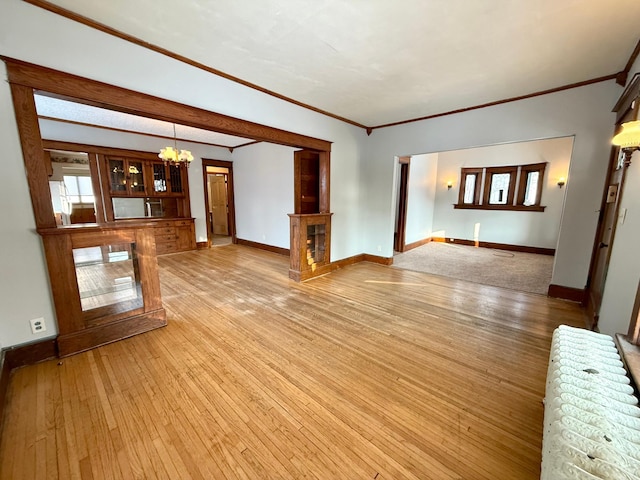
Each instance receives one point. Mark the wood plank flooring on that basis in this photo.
(370, 372)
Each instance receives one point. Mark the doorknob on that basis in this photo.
(602, 244)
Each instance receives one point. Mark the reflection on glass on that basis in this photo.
(136, 177)
(159, 178)
(108, 275)
(499, 188)
(315, 244)
(117, 176)
(144, 207)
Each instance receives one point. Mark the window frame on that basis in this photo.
(525, 170)
(464, 172)
(488, 176)
(517, 188)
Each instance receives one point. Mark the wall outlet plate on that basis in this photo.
(38, 325)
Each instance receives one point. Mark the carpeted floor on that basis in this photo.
(527, 272)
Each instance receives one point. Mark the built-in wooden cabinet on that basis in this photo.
(176, 235)
(310, 224)
(310, 252)
(104, 281)
(145, 188)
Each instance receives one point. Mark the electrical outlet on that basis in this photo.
(379, 248)
(38, 325)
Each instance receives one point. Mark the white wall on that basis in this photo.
(624, 268)
(263, 187)
(534, 229)
(34, 35)
(584, 112)
(421, 195)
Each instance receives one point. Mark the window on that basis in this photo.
(499, 185)
(517, 187)
(470, 192)
(78, 189)
(530, 187)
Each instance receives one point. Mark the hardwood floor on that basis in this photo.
(369, 372)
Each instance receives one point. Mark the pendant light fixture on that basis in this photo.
(173, 156)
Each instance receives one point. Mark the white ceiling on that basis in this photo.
(54, 108)
(381, 61)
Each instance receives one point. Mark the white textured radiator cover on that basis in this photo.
(591, 418)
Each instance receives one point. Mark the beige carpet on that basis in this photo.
(527, 272)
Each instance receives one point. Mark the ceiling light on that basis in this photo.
(174, 156)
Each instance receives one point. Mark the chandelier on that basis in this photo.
(171, 155)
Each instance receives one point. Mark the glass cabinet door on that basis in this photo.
(159, 178)
(117, 177)
(136, 177)
(175, 176)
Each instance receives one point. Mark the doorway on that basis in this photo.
(219, 202)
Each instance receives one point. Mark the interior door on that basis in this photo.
(218, 200)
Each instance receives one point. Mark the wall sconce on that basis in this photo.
(628, 140)
(561, 182)
(449, 185)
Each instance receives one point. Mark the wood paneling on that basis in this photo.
(81, 329)
(91, 92)
(36, 165)
(371, 372)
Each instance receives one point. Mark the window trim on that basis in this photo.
(525, 170)
(464, 172)
(489, 173)
(517, 188)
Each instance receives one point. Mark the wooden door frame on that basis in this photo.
(24, 78)
(624, 112)
(208, 162)
(399, 243)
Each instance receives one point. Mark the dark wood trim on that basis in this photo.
(202, 245)
(403, 200)
(605, 78)
(419, 243)
(34, 160)
(522, 185)
(567, 293)
(489, 173)
(134, 132)
(97, 149)
(262, 246)
(633, 334)
(210, 162)
(89, 338)
(497, 246)
(623, 105)
(5, 374)
(345, 262)
(378, 259)
(516, 208)
(464, 172)
(324, 174)
(630, 356)
(90, 92)
(163, 51)
(30, 353)
(622, 76)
